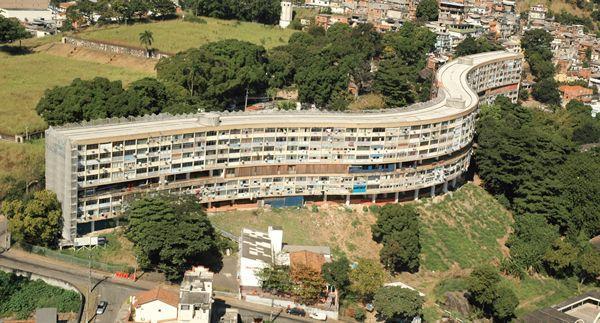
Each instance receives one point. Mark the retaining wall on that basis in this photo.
(113, 48)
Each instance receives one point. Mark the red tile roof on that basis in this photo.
(158, 293)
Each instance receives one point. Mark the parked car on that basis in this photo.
(296, 311)
(318, 316)
(101, 307)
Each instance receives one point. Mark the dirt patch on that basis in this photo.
(89, 55)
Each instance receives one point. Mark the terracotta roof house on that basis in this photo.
(308, 259)
(575, 92)
(156, 305)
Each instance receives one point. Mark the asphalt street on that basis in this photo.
(116, 292)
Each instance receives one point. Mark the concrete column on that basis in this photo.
(187, 176)
(416, 194)
(209, 205)
(454, 182)
(374, 198)
(348, 199)
(324, 197)
(445, 187)
(93, 226)
(233, 202)
(117, 221)
(433, 191)
(396, 197)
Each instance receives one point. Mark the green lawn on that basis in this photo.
(24, 78)
(176, 35)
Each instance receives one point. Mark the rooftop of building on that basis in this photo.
(306, 259)
(454, 98)
(24, 4)
(579, 309)
(255, 245)
(158, 293)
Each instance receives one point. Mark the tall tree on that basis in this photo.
(397, 227)
(12, 30)
(336, 273)
(146, 39)
(172, 234)
(310, 285)
(37, 221)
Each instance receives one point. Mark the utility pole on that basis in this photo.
(246, 100)
(89, 286)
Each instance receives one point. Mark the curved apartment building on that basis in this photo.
(95, 168)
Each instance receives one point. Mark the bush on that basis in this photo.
(360, 315)
(190, 17)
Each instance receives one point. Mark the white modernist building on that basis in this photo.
(249, 157)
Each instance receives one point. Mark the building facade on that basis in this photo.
(95, 168)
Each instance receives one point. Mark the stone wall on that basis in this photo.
(113, 48)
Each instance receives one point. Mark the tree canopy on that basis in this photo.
(397, 228)
(172, 234)
(366, 278)
(427, 10)
(217, 75)
(401, 76)
(470, 46)
(487, 292)
(36, 221)
(397, 303)
(85, 100)
(262, 11)
(336, 273)
(11, 30)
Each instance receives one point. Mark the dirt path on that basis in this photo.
(89, 55)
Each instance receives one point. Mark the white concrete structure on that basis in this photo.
(255, 254)
(27, 10)
(195, 296)
(256, 156)
(286, 14)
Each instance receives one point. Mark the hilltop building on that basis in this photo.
(250, 157)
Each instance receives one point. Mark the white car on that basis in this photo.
(318, 316)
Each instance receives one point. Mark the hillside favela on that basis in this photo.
(225, 161)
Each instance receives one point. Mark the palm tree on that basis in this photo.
(146, 40)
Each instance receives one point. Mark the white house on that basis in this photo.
(156, 305)
(27, 10)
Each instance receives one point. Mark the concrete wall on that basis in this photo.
(112, 48)
(29, 15)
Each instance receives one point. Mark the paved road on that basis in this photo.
(114, 291)
(106, 289)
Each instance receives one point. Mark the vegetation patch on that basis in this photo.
(464, 228)
(19, 297)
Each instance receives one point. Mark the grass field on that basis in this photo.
(464, 229)
(21, 161)
(555, 6)
(176, 35)
(24, 78)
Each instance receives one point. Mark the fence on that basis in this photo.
(42, 251)
(114, 48)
